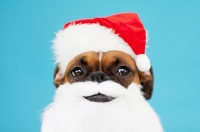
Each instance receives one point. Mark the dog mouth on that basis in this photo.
(101, 98)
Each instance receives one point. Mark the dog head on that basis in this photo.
(99, 67)
(103, 77)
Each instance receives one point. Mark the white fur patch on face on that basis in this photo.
(70, 112)
(100, 58)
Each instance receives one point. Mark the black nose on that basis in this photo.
(98, 77)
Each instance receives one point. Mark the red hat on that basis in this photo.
(123, 32)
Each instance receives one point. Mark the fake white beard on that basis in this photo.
(71, 112)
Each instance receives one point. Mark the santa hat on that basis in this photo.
(123, 32)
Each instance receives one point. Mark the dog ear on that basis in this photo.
(58, 79)
(146, 80)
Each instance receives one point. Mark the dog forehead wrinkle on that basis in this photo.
(117, 60)
(83, 60)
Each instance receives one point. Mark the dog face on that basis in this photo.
(115, 66)
(101, 92)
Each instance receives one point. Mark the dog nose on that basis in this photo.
(98, 77)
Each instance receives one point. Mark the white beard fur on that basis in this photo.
(70, 112)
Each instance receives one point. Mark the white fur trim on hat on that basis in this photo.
(80, 38)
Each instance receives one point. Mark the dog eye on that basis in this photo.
(123, 70)
(77, 72)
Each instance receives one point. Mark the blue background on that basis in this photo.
(26, 63)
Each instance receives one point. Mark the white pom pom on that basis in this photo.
(143, 63)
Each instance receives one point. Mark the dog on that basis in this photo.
(100, 91)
